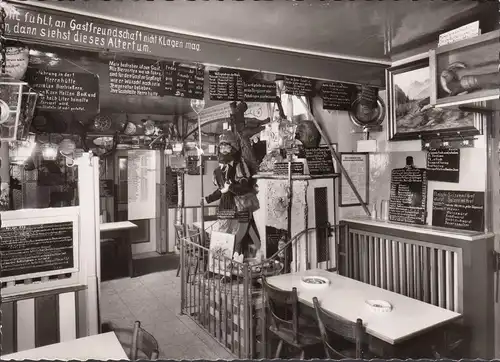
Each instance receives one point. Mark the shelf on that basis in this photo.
(479, 60)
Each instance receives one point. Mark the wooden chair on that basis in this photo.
(144, 342)
(354, 333)
(286, 323)
(179, 235)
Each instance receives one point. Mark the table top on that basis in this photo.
(99, 347)
(120, 225)
(347, 298)
(208, 224)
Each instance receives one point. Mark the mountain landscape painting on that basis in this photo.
(412, 112)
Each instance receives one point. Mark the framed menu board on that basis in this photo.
(65, 91)
(408, 197)
(357, 167)
(38, 247)
(458, 210)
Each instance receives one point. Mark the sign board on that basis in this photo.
(183, 80)
(38, 247)
(408, 197)
(319, 161)
(443, 165)
(221, 249)
(141, 184)
(357, 167)
(65, 91)
(458, 210)
(226, 86)
(281, 168)
(298, 86)
(137, 77)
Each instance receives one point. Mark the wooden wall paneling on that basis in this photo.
(67, 316)
(46, 320)
(25, 323)
(81, 318)
(8, 327)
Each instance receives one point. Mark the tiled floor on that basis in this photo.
(154, 299)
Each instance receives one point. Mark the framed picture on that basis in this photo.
(411, 115)
(357, 167)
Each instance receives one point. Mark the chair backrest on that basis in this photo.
(180, 233)
(144, 342)
(350, 331)
(283, 306)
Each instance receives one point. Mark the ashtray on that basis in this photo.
(379, 305)
(315, 282)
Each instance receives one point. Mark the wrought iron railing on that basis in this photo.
(224, 296)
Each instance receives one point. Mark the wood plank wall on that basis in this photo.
(42, 318)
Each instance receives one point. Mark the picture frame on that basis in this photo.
(411, 114)
(357, 166)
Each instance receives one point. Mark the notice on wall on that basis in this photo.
(298, 86)
(368, 96)
(356, 166)
(141, 184)
(69, 29)
(182, 80)
(264, 92)
(458, 210)
(408, 197)
(65, 91)
(319, 161)
(226, 86)
(443, 165)
(138, 77)
(281, 168)
(39, 248)
(338, 96)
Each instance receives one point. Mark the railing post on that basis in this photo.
(247, 308)
(183, 274)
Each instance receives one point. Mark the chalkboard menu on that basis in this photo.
(65, 91)
(226, 86)
(260, 92)
(38, 248)
(281, 168)
(443, 165)
(139, 77)
(299, 86)
(183, 80)
(319, 161)
(458, 210)
(338, 96)
(408, 197)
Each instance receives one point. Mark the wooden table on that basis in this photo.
(98, 347)
(347, 298)
(120, 230)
